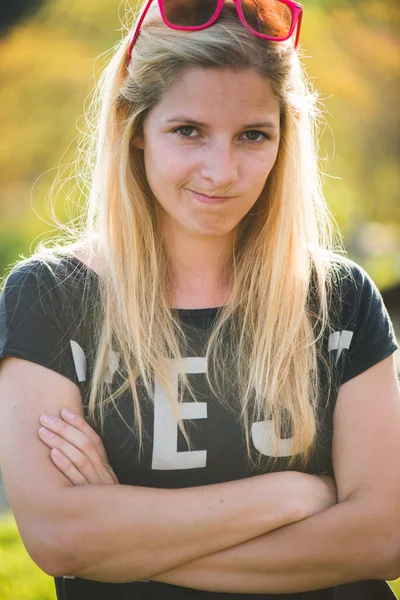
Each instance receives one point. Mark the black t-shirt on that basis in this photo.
(42, 320)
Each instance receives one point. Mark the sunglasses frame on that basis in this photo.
(295, 7)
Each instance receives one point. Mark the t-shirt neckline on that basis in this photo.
(200, 317)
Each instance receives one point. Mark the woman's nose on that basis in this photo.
(220, 166)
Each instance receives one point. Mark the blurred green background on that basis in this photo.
(49, 62)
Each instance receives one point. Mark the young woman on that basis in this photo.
(233, 405)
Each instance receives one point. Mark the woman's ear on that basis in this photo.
(138, 141)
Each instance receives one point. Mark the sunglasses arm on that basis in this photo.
(136, 31)
(298, 27)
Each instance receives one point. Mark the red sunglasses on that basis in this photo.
(273, 20)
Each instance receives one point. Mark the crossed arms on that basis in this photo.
(257, 540)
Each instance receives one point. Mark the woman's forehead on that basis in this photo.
(204, 95)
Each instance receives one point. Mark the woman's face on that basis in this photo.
(214, 132)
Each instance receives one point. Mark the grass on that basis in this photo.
(21, 578)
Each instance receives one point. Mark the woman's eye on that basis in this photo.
(184, 131)
(256, 136)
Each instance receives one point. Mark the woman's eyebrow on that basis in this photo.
(180, 118)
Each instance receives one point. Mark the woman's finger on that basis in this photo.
(80, 441)
(66, 467)
(79, 423)
(111, 474)
(78, 459)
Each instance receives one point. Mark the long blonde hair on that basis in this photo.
(268, 333)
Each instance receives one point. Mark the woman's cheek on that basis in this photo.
(178, 166)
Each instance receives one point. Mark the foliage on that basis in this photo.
(21, 579)
(12, 12)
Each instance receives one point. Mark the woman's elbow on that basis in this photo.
(393, 567)
(389, 548)
(49, 546)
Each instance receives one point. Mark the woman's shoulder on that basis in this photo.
(363, 332)
(353, 295)
(47, 306)
(56, 283)
(69, 264)
(346, 276)
(41, 272)
(89, 257)
(340, 265)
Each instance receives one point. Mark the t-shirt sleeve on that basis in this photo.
(32, 320)
(367, 334)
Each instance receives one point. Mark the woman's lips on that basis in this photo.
(209, 199)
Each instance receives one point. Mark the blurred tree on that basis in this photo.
(12, 12)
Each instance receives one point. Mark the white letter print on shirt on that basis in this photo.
(79, 359)
(267, 448)
(165, 440)
(339, 341)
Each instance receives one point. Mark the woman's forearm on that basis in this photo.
(123, 533)
(345, 543)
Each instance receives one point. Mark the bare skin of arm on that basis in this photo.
(120, 533)
(151, 529)
(331, 548)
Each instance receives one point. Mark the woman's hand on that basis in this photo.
(76, 449)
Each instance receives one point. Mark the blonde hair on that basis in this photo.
(269, 332)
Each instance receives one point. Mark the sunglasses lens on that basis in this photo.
(189, 13)
(269, 17)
